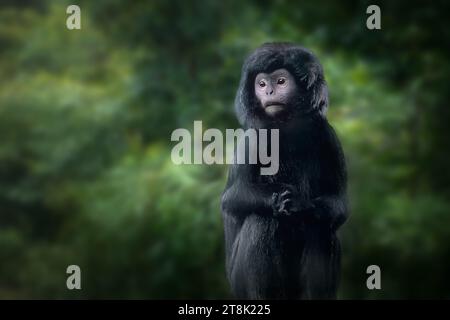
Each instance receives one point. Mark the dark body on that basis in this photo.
(296, 254)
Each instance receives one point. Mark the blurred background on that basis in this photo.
(86, 116)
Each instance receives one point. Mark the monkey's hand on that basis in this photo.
(286, 203)
(281, 203)
(330, 209)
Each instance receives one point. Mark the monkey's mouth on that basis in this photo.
(274, 108)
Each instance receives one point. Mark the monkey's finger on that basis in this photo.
(274, 196)
(287, 192)
(278, 212)
(295, 209)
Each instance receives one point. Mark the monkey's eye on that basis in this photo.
(281, 81)
(262, 84)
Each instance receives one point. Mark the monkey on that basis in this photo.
(280, 230)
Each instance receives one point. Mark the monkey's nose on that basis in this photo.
(269, 92)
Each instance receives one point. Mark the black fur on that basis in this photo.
(280, 256)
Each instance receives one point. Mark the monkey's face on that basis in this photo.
(275, 91)
(295, 90)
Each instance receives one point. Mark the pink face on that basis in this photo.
(275, 90)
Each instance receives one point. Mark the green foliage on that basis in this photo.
(85, 123)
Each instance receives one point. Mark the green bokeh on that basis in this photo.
(86, 116)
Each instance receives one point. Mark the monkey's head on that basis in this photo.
(280, 82)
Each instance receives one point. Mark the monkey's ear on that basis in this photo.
(316, 84)
(319, 96)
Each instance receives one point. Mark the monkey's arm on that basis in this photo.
(331, 205)
(330, 209)
(243, 196)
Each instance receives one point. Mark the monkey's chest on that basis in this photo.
(304, 173)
